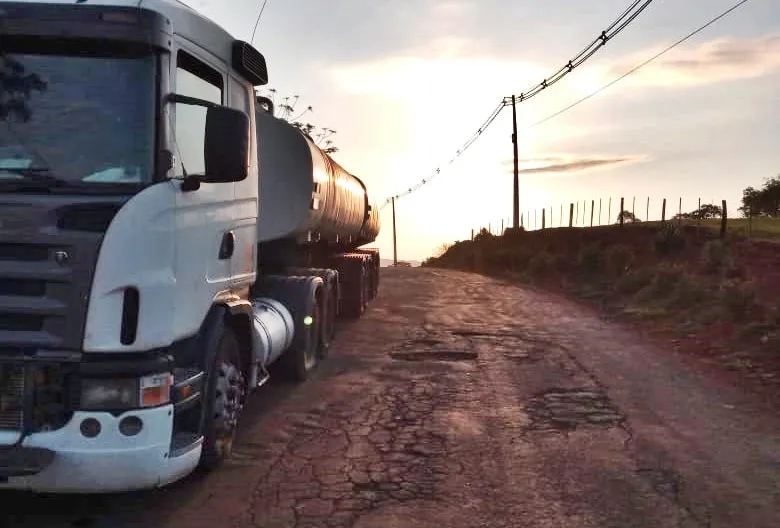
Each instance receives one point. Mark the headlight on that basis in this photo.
(125, 393)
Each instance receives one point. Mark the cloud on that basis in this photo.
(715, 61)
(560, 164)
(447, 67)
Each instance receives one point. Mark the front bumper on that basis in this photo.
(110, 462)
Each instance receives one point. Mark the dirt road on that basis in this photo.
(459, 401)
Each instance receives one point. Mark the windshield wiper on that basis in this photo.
(40, 175)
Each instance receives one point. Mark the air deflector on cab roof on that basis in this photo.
(250, 63)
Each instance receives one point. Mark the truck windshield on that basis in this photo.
(76, 121)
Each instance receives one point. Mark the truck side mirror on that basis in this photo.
(226, 149)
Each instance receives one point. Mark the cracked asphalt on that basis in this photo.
(460, 401)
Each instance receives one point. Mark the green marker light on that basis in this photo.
(308, 320)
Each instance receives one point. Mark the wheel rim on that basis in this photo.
(228, 403)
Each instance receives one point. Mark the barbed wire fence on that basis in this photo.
(621, 211)
(620, 24)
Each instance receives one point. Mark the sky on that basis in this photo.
(404, 83)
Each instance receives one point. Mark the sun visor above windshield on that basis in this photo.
(80, 21)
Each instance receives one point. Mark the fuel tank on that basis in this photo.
(304, 194)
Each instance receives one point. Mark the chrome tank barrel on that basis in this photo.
(303, 190)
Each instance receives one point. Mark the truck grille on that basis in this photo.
(23, 288)
(48, 251)
(11, 397)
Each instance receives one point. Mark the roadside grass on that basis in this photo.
(673, 277)
(757, 228)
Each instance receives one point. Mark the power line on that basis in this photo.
(641, 65)
(625, 18)
(258, 20)
(628, 16)
(458, 154)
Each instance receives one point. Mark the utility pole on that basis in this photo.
(395, 247)
(516, 188)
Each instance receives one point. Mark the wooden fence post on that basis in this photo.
(522, 220)
(647, 214)
(698, 220)
(633, 206)
(663, 211)
(571, 214)
(577, 210)
(679, 213)
(723, 220)
(609, 211)
(472, 235)
(544, 219)
(592, 207)
(621, 211)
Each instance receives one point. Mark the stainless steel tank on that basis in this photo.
(304, 194)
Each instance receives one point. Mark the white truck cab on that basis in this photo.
(140, 303)
(109, 266)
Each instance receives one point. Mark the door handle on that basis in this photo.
(227, 246)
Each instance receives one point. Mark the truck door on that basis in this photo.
(206, 216)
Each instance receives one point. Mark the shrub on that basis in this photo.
(589, 259)
(483, 234)
(512, 232)
(689, 292)
(716, 257)
(668, 239)
(633, 282)
(541, 264)
(661, 286)
(499, 259)
(738, 299)
(618, 260)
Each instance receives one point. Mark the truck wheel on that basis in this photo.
(301, 359)
(328, 319)
(369, 281)
(225, 393)
(354, 303)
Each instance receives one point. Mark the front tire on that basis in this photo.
(224, 400)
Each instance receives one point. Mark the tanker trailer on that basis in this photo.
(314, 215)
(141, 302)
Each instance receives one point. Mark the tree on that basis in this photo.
(628, 217)
(764, 201)
(16, 86)
(702, 213)
(286, 111)
(441, 250)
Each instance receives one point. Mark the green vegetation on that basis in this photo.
(761, 227)
(672, 274)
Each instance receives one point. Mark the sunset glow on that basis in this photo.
(405, 84)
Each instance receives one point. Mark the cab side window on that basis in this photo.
(194, 79)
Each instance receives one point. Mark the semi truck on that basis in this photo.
(166, 243)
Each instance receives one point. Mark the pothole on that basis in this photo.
(567, 409)
(435, 355)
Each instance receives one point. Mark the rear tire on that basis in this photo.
(354, 284)
(224, 400)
